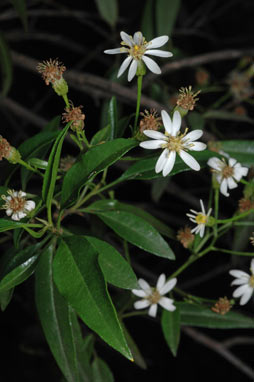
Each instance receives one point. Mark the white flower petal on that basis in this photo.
(151, 64)
(224, 187)
(231, 183)
(9, 211)
(166, 122)
(240, 281)
(189, 160)
(215, 163)
(114, 51)
(157, 42)
(232, 162)
(193, 135)
(154, 134)
(15, 216)
(238, 273)
(252, 266)
(167, 303)
(144, 285)
(132, 70)
(141, 304)
(138, 38)
(126, 38)
(21, 214)
(161, 161)
(169, 164)
(139, 292)
(240, 290)
(176, 123)
(246, 296)
(153, 310)
(158, 53)
(156, 144)
(168, 286)
(201, 230)
(202, 206)
(29, 205)
(160, 282)
(124, 66)
(197, 146)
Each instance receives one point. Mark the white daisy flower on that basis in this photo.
(173, 142)
(16, 204)
(200, 218)
(154, 296)
(227, 173)
(137, 49)
(246, 282)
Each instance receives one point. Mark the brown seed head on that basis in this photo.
(75, 115)
(187, 98)
(150, 120)
(222, 306)
(240, 86)
(66, 163)
(202, 77)
(5, 148)
(51, 70)
(185, 236)
(245, 204)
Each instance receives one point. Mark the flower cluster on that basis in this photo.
(151, 297)
(137, 49)
(173, 142)
(16, 204)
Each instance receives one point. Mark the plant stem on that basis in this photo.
(237, 217)
(66, 101)
(23, 163)
(138, 103)
(230, 252)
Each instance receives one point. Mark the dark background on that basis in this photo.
(75, 33)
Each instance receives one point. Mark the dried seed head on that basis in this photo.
(245, 204)
(202, 77)
(75, 115)
(150, 120)
(8, 152)
(185, 236)
(187, 98)
(240, 85)
(222, 306)
(240, 110)
(51, 70)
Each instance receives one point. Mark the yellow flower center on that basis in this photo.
(251, 281)
(175, 143)
(137, 51)
(155, 297)
(201, 219)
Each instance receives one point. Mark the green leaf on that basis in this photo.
(165, 15)
(147, 23)
(20, 6)
(6, 225)
(108, 10)
(242, 151)
(6, 66)
(134, 229)
(114, 267)
(123, 123)
(38, 163)
(53, 125)
(197, 315)
(53, 163)
(92, 162)
(159, 186)
(196, 120)
(79, 279)
(112, 116)
(227, 115)
(170, 323)
(138, 359)
(114, 205)
(101, 371)
(144, 168)
(17, 267)
(101, 136)
(54, 314)
(5, 298)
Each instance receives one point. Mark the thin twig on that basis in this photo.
(220, 349)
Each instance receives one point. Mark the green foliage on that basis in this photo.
(170, 323)
(243, 151)
(166, 14)
(108, 10)
(20, 6)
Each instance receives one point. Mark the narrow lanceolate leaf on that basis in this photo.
(242, 151)
(112, 117)
(80, 280)
(6, 66)
(101, 371)
(170, 322)
(166, 14)
(53, 163)
(20, 6)
(197, 315)
(144, 168)
(92, 162)
(108, 10)
(115, 268)
(6, 225)
(54, 316)
(5, 298)
(18, 266)
(147, 23)
(134, 229)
